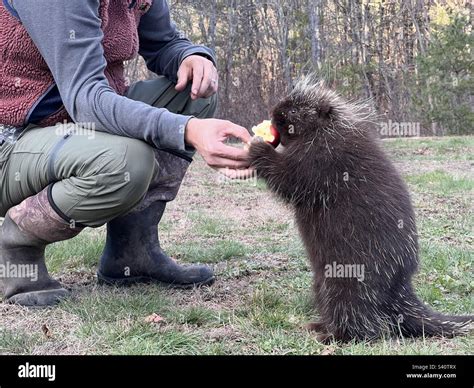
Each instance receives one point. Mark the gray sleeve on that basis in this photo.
(162, 46)
(69, 37)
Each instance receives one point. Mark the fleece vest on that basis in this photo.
(25, 79)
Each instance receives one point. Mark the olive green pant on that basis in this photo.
(94, 177)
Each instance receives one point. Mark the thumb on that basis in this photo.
(183, 78)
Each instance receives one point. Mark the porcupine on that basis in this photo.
(352, 209)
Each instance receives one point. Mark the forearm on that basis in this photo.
(121, 116)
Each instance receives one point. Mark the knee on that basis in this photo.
(213, 106)
(205, 108)
(125, 172)
(138, 171)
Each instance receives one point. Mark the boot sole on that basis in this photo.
(125, 282)
(44, 298)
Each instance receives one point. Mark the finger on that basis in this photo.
(256, 140)
(231, 153)
(214, 84)
(222, 162)
(237, 174)
(183, 78)
(206, 81)
(198, 73)
(238, 132)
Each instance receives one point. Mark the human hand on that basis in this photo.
(202, 72)
(208, 136)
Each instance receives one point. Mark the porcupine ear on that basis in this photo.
(325, 110)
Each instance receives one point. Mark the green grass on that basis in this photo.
(18, 341)
(262, 299)
(441, 182)
(446, 280)
(82, 251)
(206, 226)
(214, 252)
(436, 149)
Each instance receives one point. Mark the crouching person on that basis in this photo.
(57, 179)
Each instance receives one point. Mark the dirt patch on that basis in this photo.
(243, 203)
(458, 169)
(220, 334)
(56, 328)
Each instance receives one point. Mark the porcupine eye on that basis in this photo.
(293, 122)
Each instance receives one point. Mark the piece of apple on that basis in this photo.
(267, 132)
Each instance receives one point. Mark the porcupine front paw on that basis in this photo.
(260, 152)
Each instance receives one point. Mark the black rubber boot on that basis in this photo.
(25, 232)
(133, 254)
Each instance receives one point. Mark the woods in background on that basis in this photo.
(412, 59)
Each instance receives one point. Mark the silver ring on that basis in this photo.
(214, 81)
